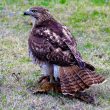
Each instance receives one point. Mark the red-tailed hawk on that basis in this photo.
(52, 46)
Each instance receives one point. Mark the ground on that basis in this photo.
(89, 22)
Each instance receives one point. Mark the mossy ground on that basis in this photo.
(89, 22)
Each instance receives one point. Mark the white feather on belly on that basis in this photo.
(44, 66)
(45, 70)
(56, 72)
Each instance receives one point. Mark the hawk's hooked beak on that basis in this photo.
(28, 12)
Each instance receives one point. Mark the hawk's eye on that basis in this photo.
(34, 11)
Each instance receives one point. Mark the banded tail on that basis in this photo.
(73, 79)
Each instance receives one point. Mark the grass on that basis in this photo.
(88, 21)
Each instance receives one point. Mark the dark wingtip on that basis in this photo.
(89, 66)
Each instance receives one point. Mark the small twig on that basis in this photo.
(17, 78)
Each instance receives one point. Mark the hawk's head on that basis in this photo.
(39, 13)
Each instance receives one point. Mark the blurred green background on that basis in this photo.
(88, 21)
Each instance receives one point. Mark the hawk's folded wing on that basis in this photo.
(44, 50)
(56, 45)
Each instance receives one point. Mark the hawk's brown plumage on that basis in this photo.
(51, 42)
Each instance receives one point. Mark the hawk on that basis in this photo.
(52, 46)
